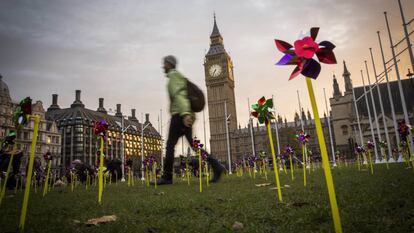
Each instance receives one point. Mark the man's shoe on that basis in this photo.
(217, 172)
(162, 181)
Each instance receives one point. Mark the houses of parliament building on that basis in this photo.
(220, 83)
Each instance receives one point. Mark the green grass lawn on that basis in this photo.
(383, 202)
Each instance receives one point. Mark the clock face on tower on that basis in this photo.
(215, 70)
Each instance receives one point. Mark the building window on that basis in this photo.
(344, 129)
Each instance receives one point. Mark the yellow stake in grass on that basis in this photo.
(304, 165)
(275, 168)
(187, 173)
(49, 164)
(370, 162)
(100, 172)
(325, 160)
(291, 167)
(29, 174)
(200, 171)
(3, 190)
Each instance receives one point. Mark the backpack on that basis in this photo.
(195, 96)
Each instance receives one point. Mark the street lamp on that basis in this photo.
(123, 130)
(143, 127)
(227, 132)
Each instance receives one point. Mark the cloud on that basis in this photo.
(113, 49)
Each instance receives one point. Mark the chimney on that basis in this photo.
(147, 117)
(101, 106)
(54, 99)
(77, 102)
(118, 111)
(54, 105)
(133, 117)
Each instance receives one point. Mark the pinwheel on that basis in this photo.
(99, 130)
(404, 131)
(289, 151)
(383, 144)
(360, 149)
(261, 112)
(370, 146)
(302, 52)
(302, 137)
(9, 140)
(48, 158)
(197, 146)
(301, 55)
(22, 113)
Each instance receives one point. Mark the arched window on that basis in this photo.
(344, 129)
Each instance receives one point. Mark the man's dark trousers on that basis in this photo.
(178, 129)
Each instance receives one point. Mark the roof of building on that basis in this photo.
(408, 89)
(80, 115)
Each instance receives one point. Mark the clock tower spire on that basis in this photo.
(219, 78)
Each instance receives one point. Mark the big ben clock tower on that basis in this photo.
(218, 68)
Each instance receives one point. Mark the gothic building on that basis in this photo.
(220, 80)
(344, 118)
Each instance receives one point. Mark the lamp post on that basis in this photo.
(123, 130)
(143, 127)
(330, 131)
(227, 117)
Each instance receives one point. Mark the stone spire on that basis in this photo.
(336, 92)
(215, 31)
(347, 79)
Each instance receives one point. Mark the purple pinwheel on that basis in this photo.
(288, 149)
(302, 137)
(370, 145)
(301, 55)
(359, 149)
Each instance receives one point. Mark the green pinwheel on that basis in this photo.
(261, 110)
(23, 110)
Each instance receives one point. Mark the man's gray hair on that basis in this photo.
(171, 60)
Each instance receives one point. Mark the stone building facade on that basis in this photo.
(344, 118)
(76, 125)
(49, 139)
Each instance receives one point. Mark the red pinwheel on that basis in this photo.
(22, 112)
(301, 55)
(100, 128)
(403, 129)
(370, 145)
(196, 144)
(47, 156)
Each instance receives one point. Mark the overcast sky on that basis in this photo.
(113, 49)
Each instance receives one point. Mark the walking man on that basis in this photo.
(182, 119)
